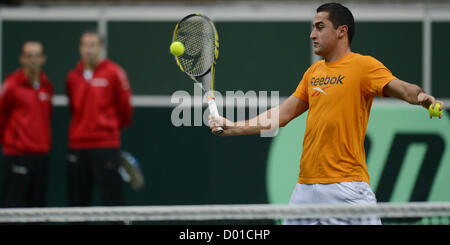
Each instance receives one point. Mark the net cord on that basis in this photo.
(223, 212)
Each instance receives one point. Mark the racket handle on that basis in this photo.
(214, 112)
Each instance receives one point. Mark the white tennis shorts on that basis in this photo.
(355, 192)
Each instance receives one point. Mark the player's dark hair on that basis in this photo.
(339, 15)
(93, 31)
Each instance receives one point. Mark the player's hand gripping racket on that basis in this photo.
(198, 58)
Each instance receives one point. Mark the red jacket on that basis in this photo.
(25, 115)
(100, 106)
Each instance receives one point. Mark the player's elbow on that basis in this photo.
(283, 121)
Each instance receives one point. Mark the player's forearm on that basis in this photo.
(267, 120)
(403, 90)
(411, 93)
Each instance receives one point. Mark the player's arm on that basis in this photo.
(6, 99)
(271, 119)
(410, 93)
(123, 91)
(6, 105)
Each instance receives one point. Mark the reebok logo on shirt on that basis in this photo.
(319, 81)
(319, 91)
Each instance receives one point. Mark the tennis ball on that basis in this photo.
(177, 48)
(435, 112)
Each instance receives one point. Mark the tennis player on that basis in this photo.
(99, 101)
(25, 114)
(338, 91)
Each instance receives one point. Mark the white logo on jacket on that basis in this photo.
(99, 82)
(43, 96)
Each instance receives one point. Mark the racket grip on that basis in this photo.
(214, 112)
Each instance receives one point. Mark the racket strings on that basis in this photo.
(198, 37)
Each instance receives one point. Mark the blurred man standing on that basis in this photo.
(99, 99)
(25, 111)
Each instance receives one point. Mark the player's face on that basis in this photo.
(90, 48)
(32, 57)
(323, 34)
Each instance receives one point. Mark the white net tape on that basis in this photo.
(224, 212)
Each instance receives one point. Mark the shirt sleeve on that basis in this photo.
(375, 76)
(302, 89)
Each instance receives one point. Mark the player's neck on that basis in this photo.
(91, 64)
(337, 54)
(32, 75)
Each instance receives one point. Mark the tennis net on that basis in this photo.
(434, 213)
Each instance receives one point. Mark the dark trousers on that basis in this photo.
(89, 167)
(24, 182)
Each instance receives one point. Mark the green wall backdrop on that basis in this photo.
(398, 45)
(440, 63)
(253, 56)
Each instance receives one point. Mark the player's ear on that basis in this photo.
(342, 31)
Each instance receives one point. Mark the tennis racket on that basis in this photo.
(130, 171)
(201, 42)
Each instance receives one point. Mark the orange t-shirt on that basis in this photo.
(340, 96)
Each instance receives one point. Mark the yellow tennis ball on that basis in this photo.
(436, 111)
(177, 48)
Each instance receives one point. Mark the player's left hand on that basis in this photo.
(426, 100)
